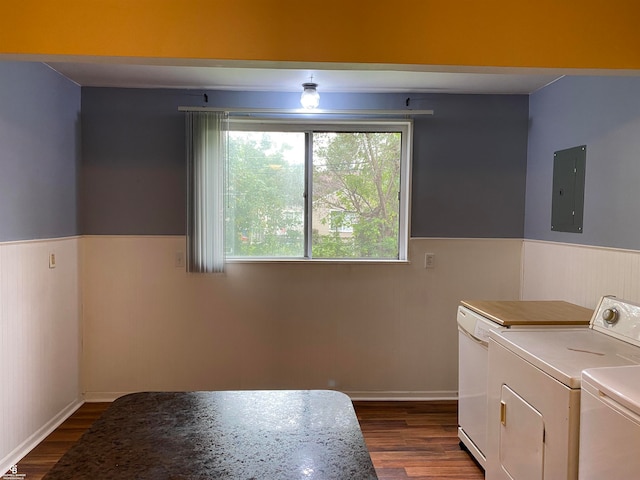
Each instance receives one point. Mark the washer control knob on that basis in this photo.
(610, 315)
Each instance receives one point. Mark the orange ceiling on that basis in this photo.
(497, 33)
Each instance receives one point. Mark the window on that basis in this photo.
(324, 190)
(342, 221)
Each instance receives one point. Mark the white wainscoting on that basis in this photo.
(39, 342)
(370, 330)
(579, 274)
(375, 331)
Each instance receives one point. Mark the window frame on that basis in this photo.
(309, 126)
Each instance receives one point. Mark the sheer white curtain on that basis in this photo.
(206, 159)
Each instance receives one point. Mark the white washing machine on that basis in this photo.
(533, 390)
(610, 424)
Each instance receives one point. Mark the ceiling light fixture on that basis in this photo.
(310, 97)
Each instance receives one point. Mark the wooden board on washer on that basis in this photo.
(531, 312)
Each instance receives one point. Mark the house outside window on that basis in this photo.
(342, 221)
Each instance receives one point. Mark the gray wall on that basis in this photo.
(133, 176)
(602, 113)
(39, 152)
(468, 171)
(469, 167)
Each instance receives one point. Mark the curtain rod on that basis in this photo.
(318, 111)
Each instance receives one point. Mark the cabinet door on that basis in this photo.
(521, 437)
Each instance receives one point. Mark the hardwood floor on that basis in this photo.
(406, 440)
(415, 440)
(42, 458)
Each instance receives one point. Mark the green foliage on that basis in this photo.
(332, 246)
(265, 200)
(358, 173)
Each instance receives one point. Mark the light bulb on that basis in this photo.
(310, 97)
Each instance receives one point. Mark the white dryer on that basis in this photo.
(476, 318)
(610, 424)
(534, 390)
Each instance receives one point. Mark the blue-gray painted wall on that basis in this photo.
(39, 152)
(469, 159)
(469, 167)
(468, 170)
(602, 113)
(133, 177)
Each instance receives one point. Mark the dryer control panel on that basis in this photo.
(618, 318)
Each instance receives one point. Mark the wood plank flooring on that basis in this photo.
(43, 457)
(415, 440)
(407, 441)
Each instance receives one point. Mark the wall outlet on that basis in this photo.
(52, 260)
(429, 260)
(179, 259)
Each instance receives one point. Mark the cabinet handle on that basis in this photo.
(503, 413)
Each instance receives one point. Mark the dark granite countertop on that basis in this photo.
(306, 434)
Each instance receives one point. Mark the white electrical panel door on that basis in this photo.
(521, 437)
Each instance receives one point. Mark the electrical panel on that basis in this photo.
(567, 201)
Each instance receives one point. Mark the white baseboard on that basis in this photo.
(96, 397)
(30, 443)
(91, 397)
(403, 396)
